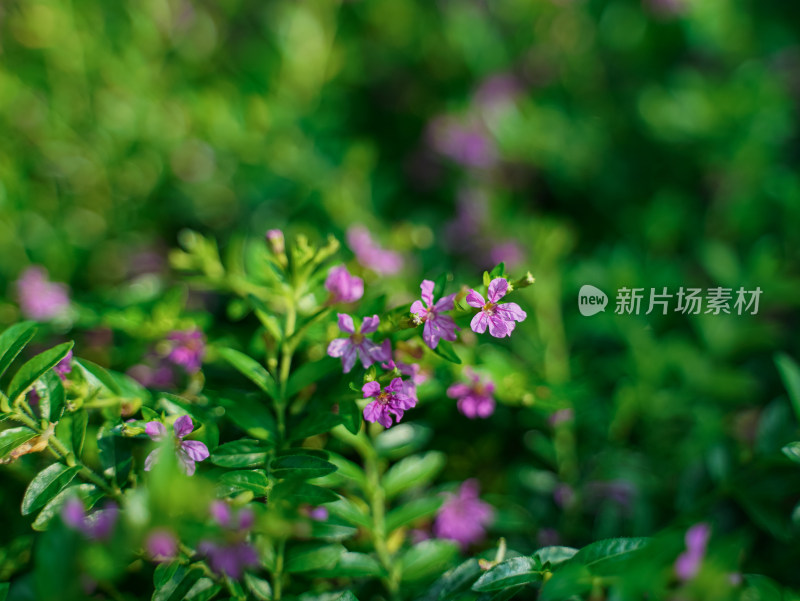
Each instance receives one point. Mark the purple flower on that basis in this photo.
(563, 495)
(370, 255)
(189, 451)
(393, 400)
(96, 526)
(562, 416)
(463, 517)
(188, 349)
(39, 298)
(318, 514)
(436, 325)
(357, 345)
(161, 545)
(499, 317)
(475, 399)
(152, 377)
(231, 559)
(464, 142)
(234, 555)
(276, 241)
(64, 367)
(688, 563)
(343, 286)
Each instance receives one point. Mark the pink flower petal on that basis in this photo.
(511, 312)
(183, 426)
(475, 300)
(346, 323)
(155, 430)
(497, 327)
(497, 289)
(427, 287)
(370, 324)
(417, 308)
(373, 411)
(371, 389)
(195, 449)
(338, 347)
(446, 303)
(479, 322)
(349, 358)
(458, 390)
(151, 459)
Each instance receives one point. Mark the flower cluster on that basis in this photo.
(232, 555)
(39, 298)
(188, 451)
(463, 517)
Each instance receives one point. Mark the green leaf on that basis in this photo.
(570, 581)
(438, 286)
(346, 596)
(13, 340)
(309, 373)
(251, 369)
(12, 438)
(354, 565)
(297, 492)
(550, 557)
(350, 512)
(446, 351)
(304, 467)
(412, 511)
(761, 588)
(313, 556)
(511, 572)
(239, 453)
(416, 470)
(454, 581)
(88, 492)
(176, 587)
(46, 485)
(331, 531)
(351, 416)
(790, 374)
(260, 588)
(605, 555)
(313, 424)
(426, 559)
(792, 451)
(251, 416)
(80, 421)
(498, 272)
(402, 440)
(252, 480)
(98, 376)
(56, 397)
(204, 589)
(116, 454)
(35, 368)
(347, 473)
(4, 590)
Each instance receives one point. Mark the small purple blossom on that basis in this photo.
(563, 495)
(474, 399)
(276, 241)
(97, 525)
(161, 545)
(370, 254)
(356, 345)
(39, 298)
(562, 416)
(437, 326)
(498, 317)
(463, 517)
(152, 377)
(188, 451)
(688, 563)
(343, 286)
(318, 514)
(393, 400)
(187, 349)
(463, 141)
(234, 555)
(64, 367)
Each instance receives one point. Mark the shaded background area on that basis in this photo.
(617, 143)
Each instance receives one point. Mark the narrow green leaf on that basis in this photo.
(438, 286)
(35, 368)
(426, 559)
(252, 480)
(412, 511)
(313, 424)
(313, 556)
(12, 438)
(46, 485)
(454, 581)
(309, 373)
(498, 272)
(604, 555)
(251, 416)
(204, 589)
(402, 440)
(178, 585)
(350, 415)
(792, 451)
(260, 588)
(98, 376)
(239, 453)
(446, 351)
(88, 492)
(350, 512)
(416, 470)
(80, 421)
(511, 572)
(56, 397)
(251, 369)
(551, 557)
(13, 340)
(354, 565)
(298, 491)
(301, 466)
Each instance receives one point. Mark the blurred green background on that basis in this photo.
(618, 143)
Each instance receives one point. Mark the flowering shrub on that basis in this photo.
(304, 477)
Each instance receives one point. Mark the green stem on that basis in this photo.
(277, 575)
